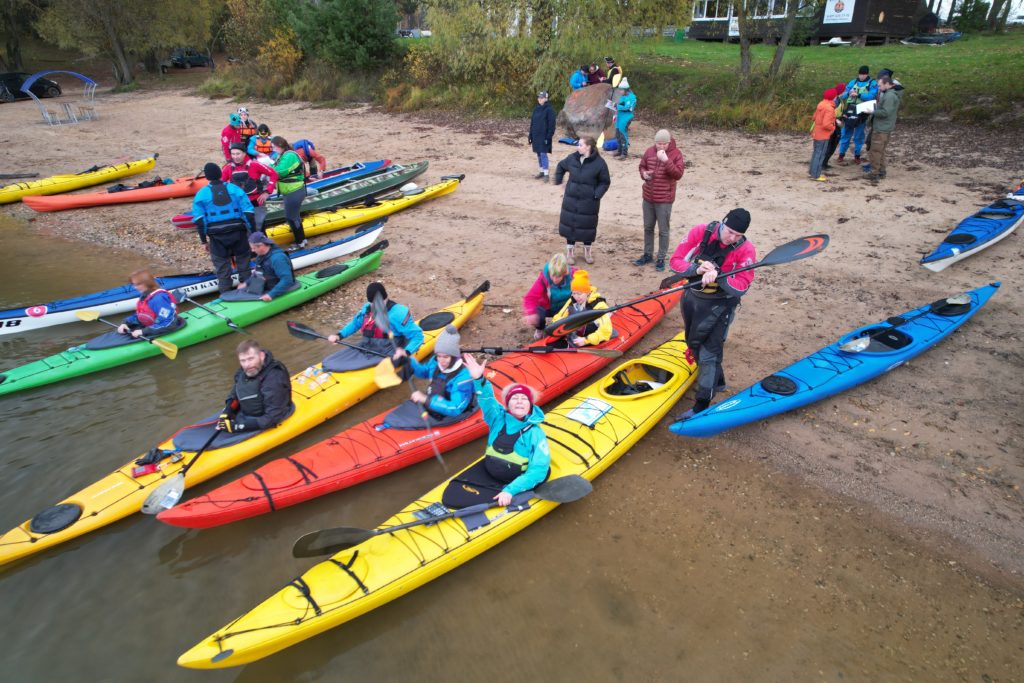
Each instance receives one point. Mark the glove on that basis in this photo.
(154, 455)
(230, 424)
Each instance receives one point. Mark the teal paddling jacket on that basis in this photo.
(531, 444)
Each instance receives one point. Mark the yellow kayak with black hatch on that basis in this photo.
(586, 433)
(57, 184)
(318, 396)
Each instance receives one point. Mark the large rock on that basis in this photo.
(586, 111)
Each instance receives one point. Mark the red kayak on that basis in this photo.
(362, 452)
(181, 187)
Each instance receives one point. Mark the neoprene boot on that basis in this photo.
(570, 254)
(587, 256)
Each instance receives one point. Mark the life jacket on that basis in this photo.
(145, 313)
(558, 294)
(501, 460)
(246, 131)
(305, 149)
(249, 390)
(369, 328)
(260, 268)
(716, 253)
(296, 175)
(240, 177)
(263, 146)
(226, 217)
(439, 386)
(853, 99)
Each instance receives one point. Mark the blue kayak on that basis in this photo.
(980, 230)
(882, 347)
(122, 299)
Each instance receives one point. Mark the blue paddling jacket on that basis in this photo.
(532, 443)
(450, 392)
(401, 323)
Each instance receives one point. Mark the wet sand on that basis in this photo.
(879, 529)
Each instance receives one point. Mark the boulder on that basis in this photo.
(586, 111)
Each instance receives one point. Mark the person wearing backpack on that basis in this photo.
(861, 89)
(223, 216)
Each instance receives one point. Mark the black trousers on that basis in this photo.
(225, 248)
(706, 321)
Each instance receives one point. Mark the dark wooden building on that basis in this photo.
(857, 21)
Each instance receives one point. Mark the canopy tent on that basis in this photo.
(73, 111)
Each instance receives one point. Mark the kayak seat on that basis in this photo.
(114, 338)
(409, 415)
(191, 439)
(355, 359)
(944, 308)
(960, 238)
(886, 339)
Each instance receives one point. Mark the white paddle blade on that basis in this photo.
(856, 345)
(165, 496)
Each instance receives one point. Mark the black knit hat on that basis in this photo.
(864, 70)
(211, 171)
(738, 220)
(374, 290)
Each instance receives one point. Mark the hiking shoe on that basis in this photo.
(856, 158)
(546, 178)
(660, 265)
(570, 256)
(587, 256)
(841, 160)
(643, 260)
(881, 175)
(866, 168)
(821, 178)
(540, 175)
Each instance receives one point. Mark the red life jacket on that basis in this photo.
(370, 329)
(262, 146)
(240, 176)
(144, 312)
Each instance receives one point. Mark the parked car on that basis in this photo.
(185, 58)
(10, 87)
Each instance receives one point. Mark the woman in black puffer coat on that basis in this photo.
(588, 181)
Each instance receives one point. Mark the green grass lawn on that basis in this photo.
(977, 79)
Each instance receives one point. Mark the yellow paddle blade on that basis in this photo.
(88, 316)
(615, 80)
(600, 141)
(170, 350)
(384, 375)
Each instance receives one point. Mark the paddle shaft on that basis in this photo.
(499, 351)
(231, 323)
(155, 342)
(301, 330)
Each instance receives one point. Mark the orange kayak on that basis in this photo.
(181, 187)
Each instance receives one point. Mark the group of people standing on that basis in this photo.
(863, 112)
(592, 74)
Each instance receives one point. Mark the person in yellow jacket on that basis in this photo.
(586, 298)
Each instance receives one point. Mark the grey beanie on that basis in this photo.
(448, 342)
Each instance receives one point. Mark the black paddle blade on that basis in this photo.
(567, 489)
(796, 250)
(562, 328)
(330, 541)
(302, 331)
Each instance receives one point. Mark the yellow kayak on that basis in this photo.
(328, 221)
(587, 433)
(318, 396)
(57, 184)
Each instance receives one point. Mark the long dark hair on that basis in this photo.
(279, 141)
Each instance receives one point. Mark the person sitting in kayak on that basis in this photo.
(517, 457)
(387, 327)
(262, 393)
(549, 293)
(230, 135)
(260, 147)
(223, 215)
(156, 311)
(248, 129)
(272, 273)
(585, 298)
(315, 162)
(450, 392)
(257, 180)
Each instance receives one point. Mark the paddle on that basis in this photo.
(862, 343)
(565, 489)
(384, 375)
(498, 351)
(169, 493)
(167, 348)
(14, 176)
(796, 250)
(181, 296)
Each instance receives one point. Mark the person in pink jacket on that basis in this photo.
(548, 295)
(230, 135)
(707, 252)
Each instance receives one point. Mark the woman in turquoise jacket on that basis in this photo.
(623, 117)
(517, 458)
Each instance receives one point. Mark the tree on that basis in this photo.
(16, 18)
(118, 28)
(745, 28)
(347, 33)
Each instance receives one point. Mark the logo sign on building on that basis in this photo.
(838, 11)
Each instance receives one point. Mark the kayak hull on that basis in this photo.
(68, 182)
(830, 371)
(365, 451)
(201, 325)
(979, 231)
(181, 187)
(366, 576)
(318, 396)
(122, 299)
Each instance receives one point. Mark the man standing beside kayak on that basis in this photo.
(256, 180)
(223, 215)
(262, 394)
(708, 251)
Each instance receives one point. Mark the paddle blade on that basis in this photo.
(604, 353)
(384, 375)
(302, 331)
(167, 348)
(87, 316)
(805, 247)
(600, 141)
(565, 489)
(165, 496)
(330, 541)
(561, 328)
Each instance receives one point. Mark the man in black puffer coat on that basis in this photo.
(542, 130)
(262, 393)
(581, 203)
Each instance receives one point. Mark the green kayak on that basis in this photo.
(200, 325)
(396, 175)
